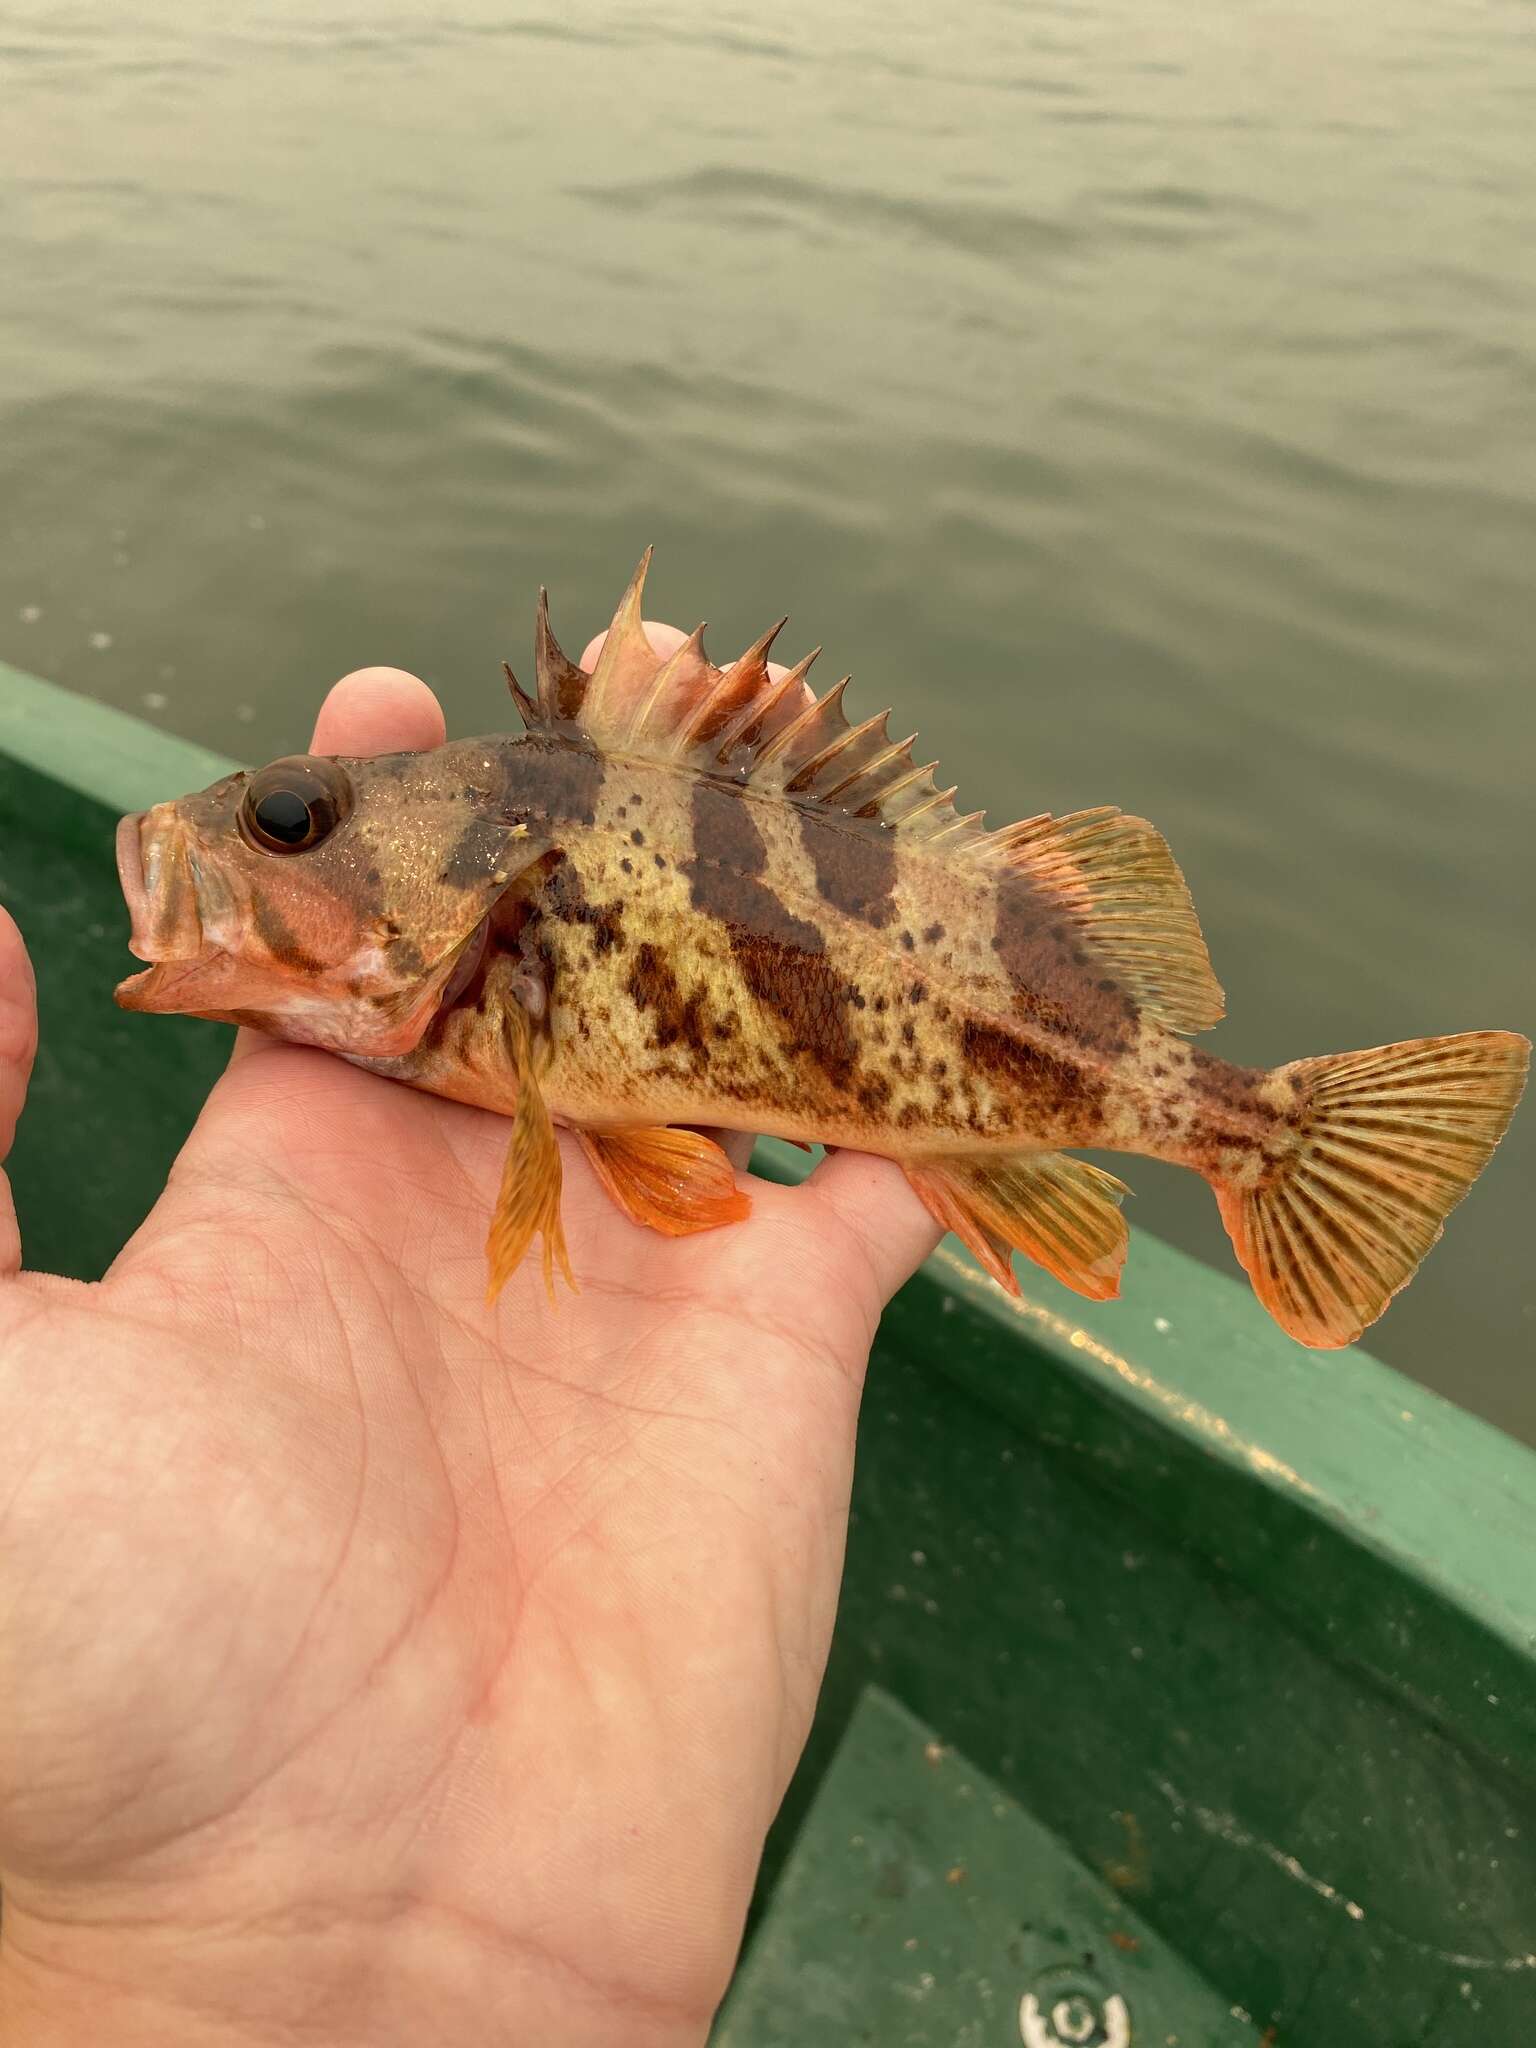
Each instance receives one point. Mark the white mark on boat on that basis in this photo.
(1194, 1413)
(1226, 1826)
(1075, 2019)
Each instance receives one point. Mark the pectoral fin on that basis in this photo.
(1062, 1213)
(529, 1202)
(676, 1182)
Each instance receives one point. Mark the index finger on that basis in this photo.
(666, 640)
(379, 711)
(18, 1046)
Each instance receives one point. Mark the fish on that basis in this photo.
(687, 898)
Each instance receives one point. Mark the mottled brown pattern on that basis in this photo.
(874, 1094)
(787, 972)
(404, 956)
(565, 898)
(653, 988)
(1231, 1105)
(1045, 1089)
(855, 865)
(1232, 1088)
(1055, 974)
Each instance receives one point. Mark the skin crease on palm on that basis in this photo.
(376, 1666)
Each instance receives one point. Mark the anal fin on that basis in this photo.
(1062, 1213)
(528, 1204)
(677, 1182)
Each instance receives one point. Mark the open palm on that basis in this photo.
(375, 1665)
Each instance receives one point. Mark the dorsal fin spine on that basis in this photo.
(751, 715)
(561, 686)
(527, 706)
(675, 665)
(808, 771)
(940, 796)
(744, 678)
(822, 712)
(899, 751)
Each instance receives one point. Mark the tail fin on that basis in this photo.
(1389, 1142)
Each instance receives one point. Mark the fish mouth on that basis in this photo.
(160, 889)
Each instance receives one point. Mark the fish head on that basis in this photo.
(333, 902)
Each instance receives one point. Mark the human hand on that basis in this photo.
(378, 1666)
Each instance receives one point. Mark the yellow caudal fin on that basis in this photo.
(1388, 1143)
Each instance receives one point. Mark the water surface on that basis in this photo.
(1140, 398)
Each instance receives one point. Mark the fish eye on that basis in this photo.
(293, 804)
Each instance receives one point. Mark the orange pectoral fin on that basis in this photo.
(677, 1182)
(529, 1200)
(1062, 1213)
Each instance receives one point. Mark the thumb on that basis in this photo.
(18, 1044)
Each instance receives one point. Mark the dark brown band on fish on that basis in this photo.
(785, 967)
(782, 958)
(1049, 1093)
(567, 782)
(1060, 984)
(1230, 1097)
(653, 989)
(855, 865)
(726, 841)
(566, 899)
(474, 855)
(279, 937)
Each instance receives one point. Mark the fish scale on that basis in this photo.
(691, 895)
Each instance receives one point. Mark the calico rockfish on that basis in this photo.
(688, 895)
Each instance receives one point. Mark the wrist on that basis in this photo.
(409, 1976)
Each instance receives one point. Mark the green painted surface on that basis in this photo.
(1249, 1632)
(119, 761)
(924, 1908)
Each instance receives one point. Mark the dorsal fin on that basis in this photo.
(560, 687)
(625, 669)
(738, 721)
(1113, 876)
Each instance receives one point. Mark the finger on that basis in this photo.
(873, 1202)
(379, 711)
(665, 639)
(18, 1045)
